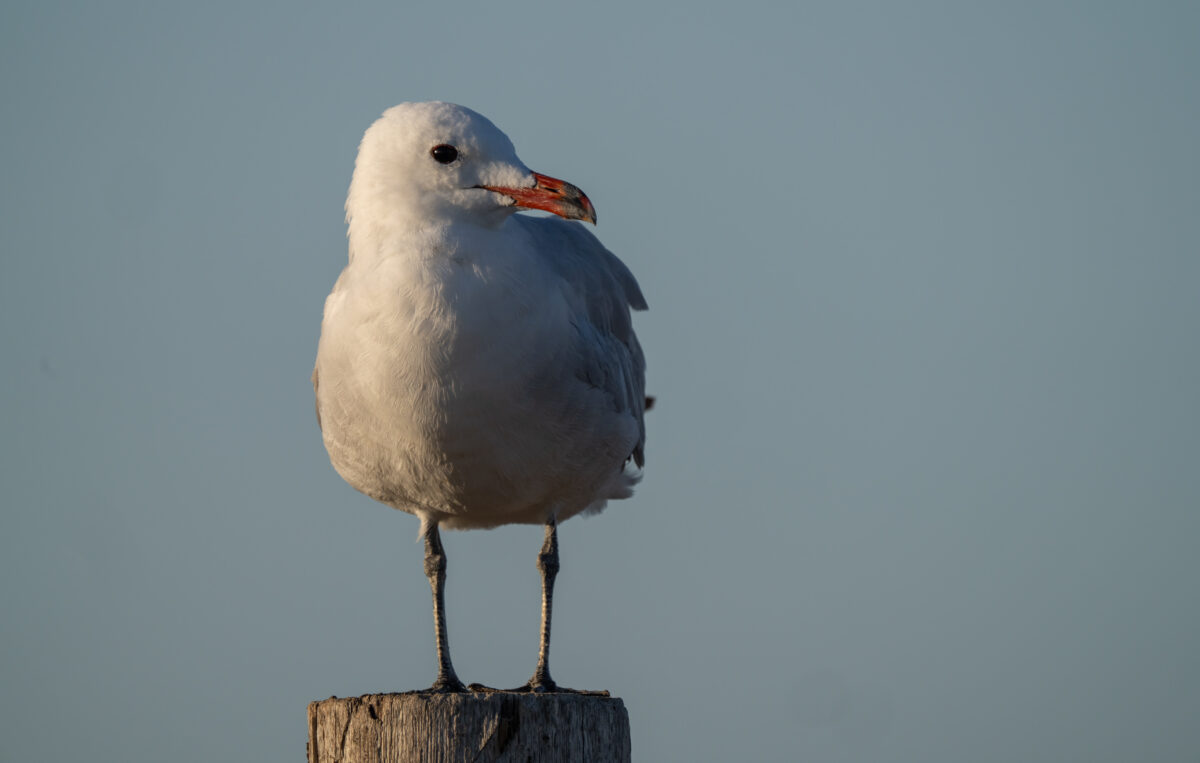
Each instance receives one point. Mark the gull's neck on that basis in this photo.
(385, 221)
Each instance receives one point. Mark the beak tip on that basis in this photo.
(582, 206)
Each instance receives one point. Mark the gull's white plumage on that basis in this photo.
(476, 367)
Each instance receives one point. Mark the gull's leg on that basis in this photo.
(547, 564)
(435, 569)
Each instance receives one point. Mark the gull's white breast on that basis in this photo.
(453, 384)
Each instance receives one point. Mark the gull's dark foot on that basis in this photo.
(543, 685)
(546, 685)
(446, 686)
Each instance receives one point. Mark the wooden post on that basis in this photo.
(493, 726)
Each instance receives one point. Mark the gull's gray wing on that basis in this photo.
(602, 291)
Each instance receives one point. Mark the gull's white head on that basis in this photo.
(424, 164)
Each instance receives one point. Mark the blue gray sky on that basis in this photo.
(924, 476)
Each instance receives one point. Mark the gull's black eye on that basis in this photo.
(444, 154)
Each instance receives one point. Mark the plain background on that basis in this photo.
(924, 475)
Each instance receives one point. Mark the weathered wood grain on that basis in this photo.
(456, 728)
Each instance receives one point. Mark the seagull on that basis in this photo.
(477, 367)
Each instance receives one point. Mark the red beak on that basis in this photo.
(551, 195)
